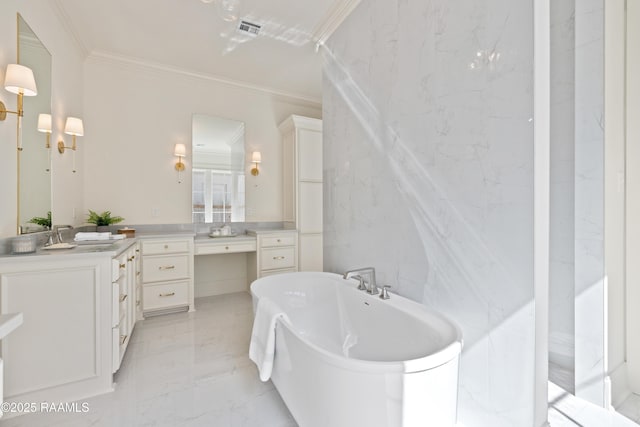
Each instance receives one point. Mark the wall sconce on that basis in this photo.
(44, 125)
(73, 127)
(19, 80)
(256, 158)
(180, 151)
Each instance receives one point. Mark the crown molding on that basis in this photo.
(107, 57)
(338, 13)
(61, 12)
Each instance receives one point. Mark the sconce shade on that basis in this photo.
(44, 123)
(19, 79)
(256, 157)
(180, 150)
(74, 126)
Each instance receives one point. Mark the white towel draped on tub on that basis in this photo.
(263, 336)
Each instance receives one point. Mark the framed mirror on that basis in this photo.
(34, 161)
(218, 170)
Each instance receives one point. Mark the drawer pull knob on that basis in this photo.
(123, 339)
(167, 267)
(226, 247)
(137, 250)
(123, 297)
(123, 265)
(278, 257)
(168, 294)
(137, 302)
(131, 258)
(166, 246)
(278, 240)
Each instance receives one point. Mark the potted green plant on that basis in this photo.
(42, 221)
(103, 220)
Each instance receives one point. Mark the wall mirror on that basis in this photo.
(34, 161)
(218, 170)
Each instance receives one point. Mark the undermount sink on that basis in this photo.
(60, 246)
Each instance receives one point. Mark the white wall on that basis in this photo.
(429, 177)
(67, 93)
(135, 113)
(633, 194)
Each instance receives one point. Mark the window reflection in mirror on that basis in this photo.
(218, 181)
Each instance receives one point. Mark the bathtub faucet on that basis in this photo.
(370, 273)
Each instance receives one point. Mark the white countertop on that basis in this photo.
(9, 322)
(111, 249)
(204, 238)
(276, 231)
(118, 246)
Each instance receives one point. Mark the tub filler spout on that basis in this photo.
(359, 273)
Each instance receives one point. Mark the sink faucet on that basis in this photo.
(59, 228)
(370, 273)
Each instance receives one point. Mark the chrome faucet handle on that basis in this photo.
(385, 292)
(373, 289)
(361, 286)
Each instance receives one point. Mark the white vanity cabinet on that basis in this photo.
(63, 350)
(302, 187)
(167, 274)
(276, 252)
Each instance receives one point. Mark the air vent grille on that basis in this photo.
(249, 28)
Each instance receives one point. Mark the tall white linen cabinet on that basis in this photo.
(302, 187)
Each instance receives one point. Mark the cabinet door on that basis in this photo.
(311, 256)
(131, 289)
(288, 179)
(59, 341)
(309, 155)
(310, 208)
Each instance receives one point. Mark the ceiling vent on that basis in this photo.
(249, 28)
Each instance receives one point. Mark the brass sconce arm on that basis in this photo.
(62, 147)
(4, 111)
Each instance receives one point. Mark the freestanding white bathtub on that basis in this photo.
(347, 358)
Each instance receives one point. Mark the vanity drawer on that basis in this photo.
(166, 295)
(227, 248)
(115, 348)
(281, 240)
(115, 304)
(277, 258)
(163, 268)
(151, 247)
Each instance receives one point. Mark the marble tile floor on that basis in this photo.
(630, 408)
(566, 410)
(192, 369)
(184, 369)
